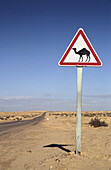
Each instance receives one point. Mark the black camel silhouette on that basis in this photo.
(81, 52)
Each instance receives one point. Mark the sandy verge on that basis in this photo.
(18, 116)
(51, 144)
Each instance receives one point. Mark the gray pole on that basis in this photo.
(78, 113)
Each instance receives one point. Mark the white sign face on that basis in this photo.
(74, 55)
(80, 52)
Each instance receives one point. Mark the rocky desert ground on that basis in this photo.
(49, 141)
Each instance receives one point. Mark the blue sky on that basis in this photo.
(33, 37)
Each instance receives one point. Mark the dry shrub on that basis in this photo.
(97, 122)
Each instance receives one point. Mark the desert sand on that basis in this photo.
(51, 142)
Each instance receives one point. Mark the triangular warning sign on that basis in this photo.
(80, 52)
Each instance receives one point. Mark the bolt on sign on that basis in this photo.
(80, 53)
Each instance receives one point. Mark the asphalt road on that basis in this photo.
(12, 125)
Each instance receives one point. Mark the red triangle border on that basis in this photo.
(62, 63)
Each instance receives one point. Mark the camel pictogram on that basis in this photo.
(82, 52)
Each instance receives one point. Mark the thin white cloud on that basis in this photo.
(96, 102)
(107, 96)
(16, 98)
(27, 103)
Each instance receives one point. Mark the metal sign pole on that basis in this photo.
(78, 113)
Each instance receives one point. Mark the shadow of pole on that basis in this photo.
(60, 146)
